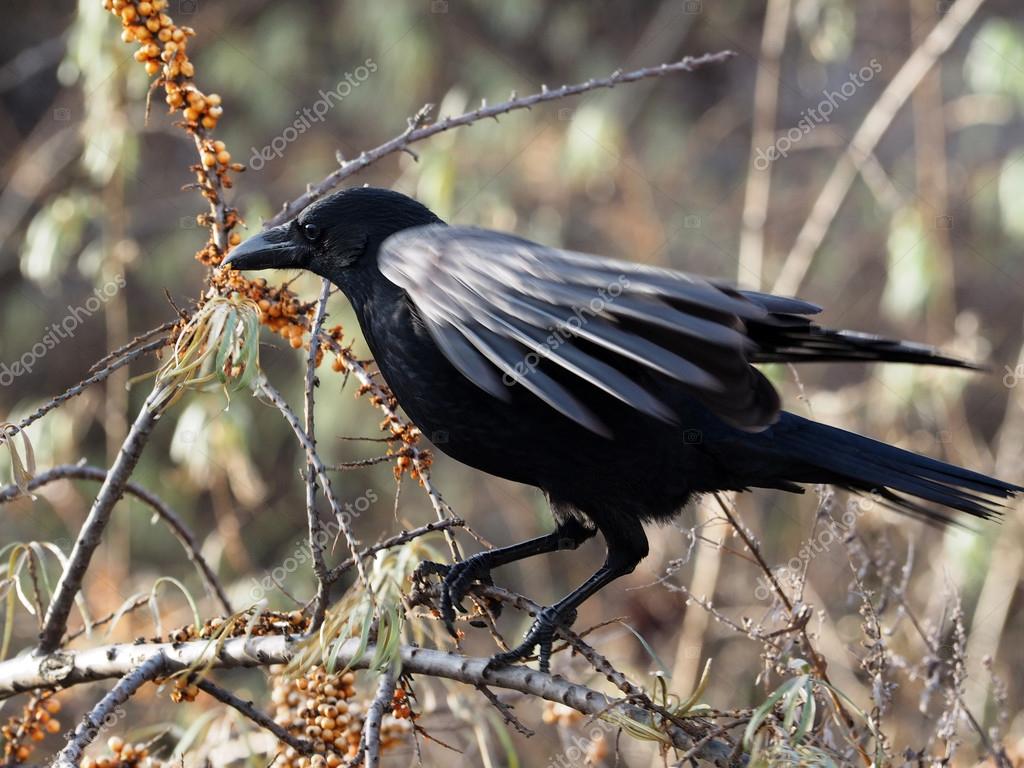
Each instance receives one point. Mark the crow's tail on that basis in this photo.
(822, 454)
(795, 340)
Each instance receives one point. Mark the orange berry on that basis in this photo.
(296, 342)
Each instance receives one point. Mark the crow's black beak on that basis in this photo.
(272, 249)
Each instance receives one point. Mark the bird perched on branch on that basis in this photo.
(619, 390)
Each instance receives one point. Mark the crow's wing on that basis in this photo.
(496, 305)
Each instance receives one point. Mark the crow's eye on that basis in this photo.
(311, 231)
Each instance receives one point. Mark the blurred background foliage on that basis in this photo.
(927, 246)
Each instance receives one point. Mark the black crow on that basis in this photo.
(619, 390)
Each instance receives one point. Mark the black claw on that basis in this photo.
(456, 580)
(541, 636)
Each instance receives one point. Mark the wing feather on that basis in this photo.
(489, 300)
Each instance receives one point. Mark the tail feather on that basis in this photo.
(796, 340)
(824, 454)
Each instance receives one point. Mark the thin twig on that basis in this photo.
(864, 141)
(317, 539)
(97, 377)
(321, 472)
(394, 541)
(159, 506)
(417, 131)
(93, 722)
(505, 711)
(95, 524)
(259, 717)
(130, 346)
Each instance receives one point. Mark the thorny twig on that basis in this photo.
(320, 471)
(369, 746)
(417, 130)
(997, 752)
(316, 532)
(259, 717)
(114, 661)
(97, 377)
(159, 506)
(99, 515)
(92, 723)
(818, 663)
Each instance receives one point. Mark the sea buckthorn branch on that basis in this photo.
(163, 50)
(100, 375)
(91, 534)
(321, 474)
(162, 510)
(70, 668)
(249, 710)
(92, 723)
(419, 127)
(317, 541)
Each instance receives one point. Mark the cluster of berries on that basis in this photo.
(325, 709)
(21, 733)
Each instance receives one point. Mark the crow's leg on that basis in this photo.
(457, 578)
(626, 548)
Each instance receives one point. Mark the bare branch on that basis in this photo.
(99, 515)
(97, 377)
(395, 541)
(316, 535)
(417, 131)
(369, 747)
(159, 506)
(864, 141)
(68, 668)
(93, 722)
(259, 717)
(321, 471)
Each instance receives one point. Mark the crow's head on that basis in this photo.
(332, 235)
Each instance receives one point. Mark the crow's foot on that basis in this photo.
(456, 580)
(540, 636)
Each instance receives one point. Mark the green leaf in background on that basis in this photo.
(1011, 193)
(996, 59)
(910, 275)
(828, 26)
